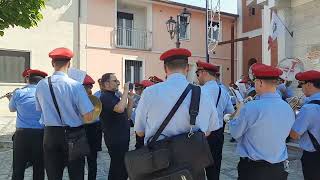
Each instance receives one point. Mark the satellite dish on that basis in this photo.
(290, 67)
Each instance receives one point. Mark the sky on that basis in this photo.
(229, 6)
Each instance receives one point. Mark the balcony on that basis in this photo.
(132, 38)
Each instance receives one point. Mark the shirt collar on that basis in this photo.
(269, 95)
(60, 73)
(176, 76)
(315, 96)
(212, 82)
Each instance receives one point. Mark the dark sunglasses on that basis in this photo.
(197, 72)
(300, 83)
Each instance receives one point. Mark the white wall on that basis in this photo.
(58, 28)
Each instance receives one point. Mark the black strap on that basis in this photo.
(54, 99)
(314, 141)
(194, 104)
(218, 96)
(170, 115)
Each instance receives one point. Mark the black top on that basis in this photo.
(116, 126)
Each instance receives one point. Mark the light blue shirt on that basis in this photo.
(72, 100)
(262, 128)
(24, 102)
(308, 119)
(97, 94)
(224, 105)
(157, 101)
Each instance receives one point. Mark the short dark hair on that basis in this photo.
(60, 62)
(106, 77)
(34, 79)
(176, 64)
(212, 73)
(271, 81)
(316, 84)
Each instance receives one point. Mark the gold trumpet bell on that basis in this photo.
(97, 106)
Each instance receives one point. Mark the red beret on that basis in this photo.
(155, 79)
(176, 53)
(146, 83)
(25, 72)
(244, 79)
(37, 73)
(262, 71)
(61, 53)
(88, 80)
(308, 76)
(207, 66)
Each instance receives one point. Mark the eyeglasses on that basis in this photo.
(300, 83)
(116, 80)
(198, 71)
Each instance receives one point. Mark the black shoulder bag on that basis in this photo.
(314, 141)
(182, 156)
(76, 138)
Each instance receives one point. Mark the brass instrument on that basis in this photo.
(97, 106)
(239, 106)
(294, 102)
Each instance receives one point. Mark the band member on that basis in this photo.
(75, 108)
(157, 100)
(28, 138)
(94, 135)
(307, 127)
(139, 88)
(284, 89)
(116, 124)
(98, 93)
(249, 85)
(262, 128)
(222, 101)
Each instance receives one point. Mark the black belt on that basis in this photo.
(246, 159)
(28, 129)
(66, 128)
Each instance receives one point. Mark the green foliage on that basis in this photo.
(23, 13)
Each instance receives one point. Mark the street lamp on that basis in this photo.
(174, 26)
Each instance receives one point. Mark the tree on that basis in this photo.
(23, 13)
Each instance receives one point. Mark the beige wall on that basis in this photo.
(59, 28)
(103, 57)
(91, 39)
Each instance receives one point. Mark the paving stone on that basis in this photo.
(228, 169)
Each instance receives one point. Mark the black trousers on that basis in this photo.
(56, 155)
(94, 135)
(260, 170)
(117, 151)
(311, 165)
(27, 147)
(215, 141)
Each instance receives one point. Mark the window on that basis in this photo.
(124, 29)
(184, 28)
(12, 64)
(252, 11)
(214, 31)
(133, 71)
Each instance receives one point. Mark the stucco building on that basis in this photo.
(121, 36)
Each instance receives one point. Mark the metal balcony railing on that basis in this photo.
(132, 38)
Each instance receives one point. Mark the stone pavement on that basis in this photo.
(228, 171)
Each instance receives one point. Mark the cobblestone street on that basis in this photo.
(228, 172)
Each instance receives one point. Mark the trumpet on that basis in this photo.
(294, 102)
(239, 106)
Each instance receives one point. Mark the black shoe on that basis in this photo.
(232, 140)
